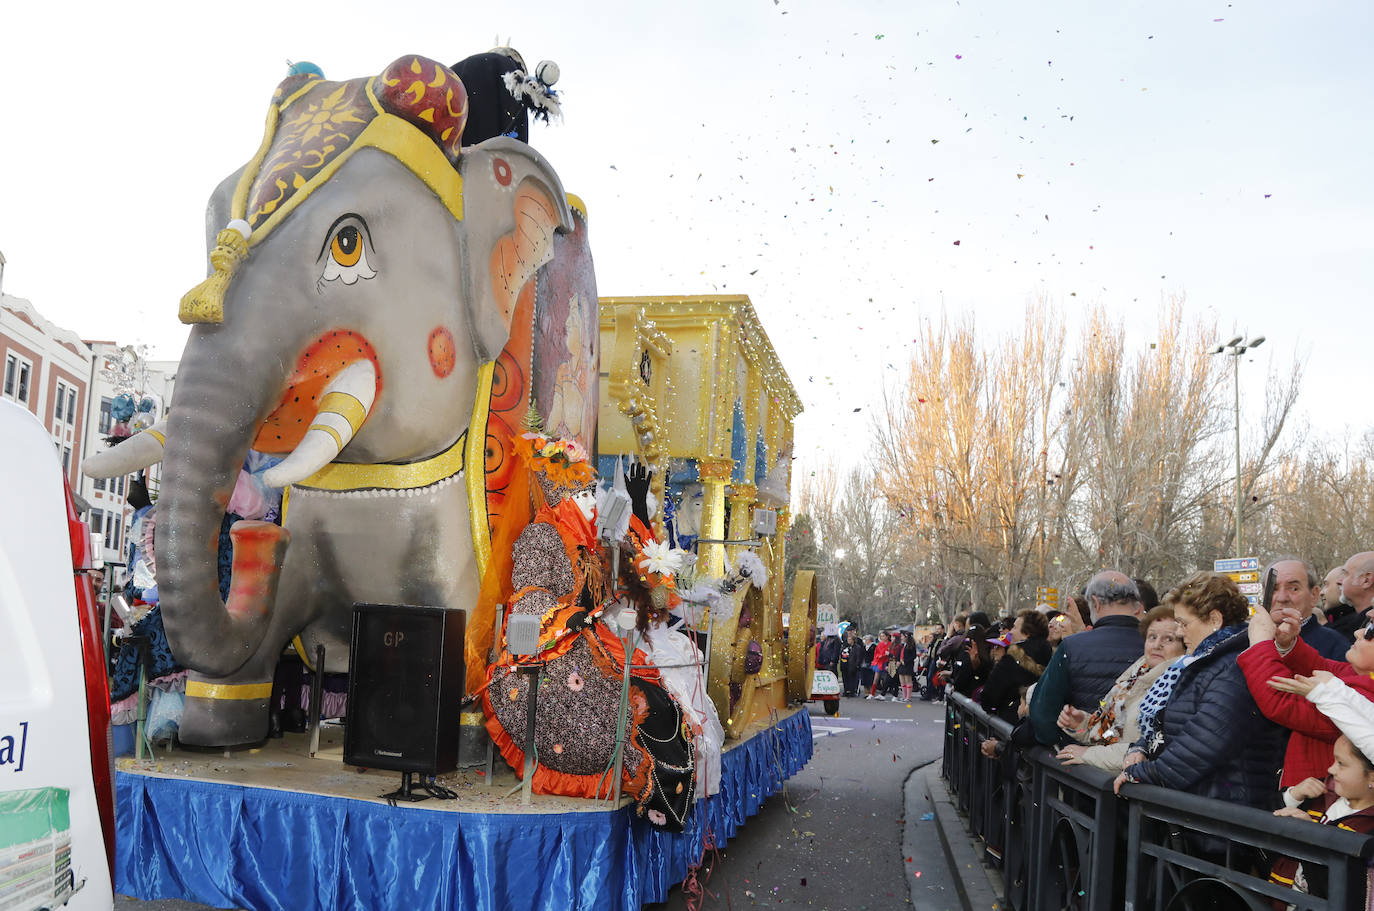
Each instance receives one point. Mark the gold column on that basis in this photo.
(774, 657)
(715, 475)
(742, 512)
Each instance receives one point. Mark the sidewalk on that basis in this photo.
(944, 867)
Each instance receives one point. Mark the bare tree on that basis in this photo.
(859, 537)
(1014, 460)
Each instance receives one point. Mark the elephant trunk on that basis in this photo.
(213, 419)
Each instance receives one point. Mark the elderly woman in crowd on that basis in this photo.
(1105, 735)
(1201, 731)
(1021, 666)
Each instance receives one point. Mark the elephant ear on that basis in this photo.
(513, 202)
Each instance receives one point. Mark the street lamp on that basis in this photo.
(1234, 349)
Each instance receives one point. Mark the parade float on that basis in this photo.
(392, 460)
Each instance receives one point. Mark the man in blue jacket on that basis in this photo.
(1296, 586)
(1085, 665)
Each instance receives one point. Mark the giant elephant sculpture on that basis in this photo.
(365, 268)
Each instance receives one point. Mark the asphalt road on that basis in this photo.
(833, 839)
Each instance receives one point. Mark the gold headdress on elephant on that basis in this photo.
(414, 111)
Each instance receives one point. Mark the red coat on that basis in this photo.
(1309, 753)
(880, 655)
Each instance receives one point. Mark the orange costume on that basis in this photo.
(556, 574)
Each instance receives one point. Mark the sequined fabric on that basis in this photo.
(541, 560)
(575, 713)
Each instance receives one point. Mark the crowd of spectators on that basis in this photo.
(1271, 708)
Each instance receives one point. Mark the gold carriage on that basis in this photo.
(692, 386)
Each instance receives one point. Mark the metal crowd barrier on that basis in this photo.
(1063, 840)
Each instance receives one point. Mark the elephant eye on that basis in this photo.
(345, 251)
(347, 246)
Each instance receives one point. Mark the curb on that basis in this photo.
(972, 879)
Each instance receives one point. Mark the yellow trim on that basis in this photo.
(407, 476)
(346, 406)
(299, 646)
(157, 435)
(477, 480)
(338, 440)
(576, 204)
(202, 690)
(397, 138)
(473, 719)
(239, 206)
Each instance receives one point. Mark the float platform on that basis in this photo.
(272, 829)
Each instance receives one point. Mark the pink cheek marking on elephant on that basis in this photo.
(442, 352)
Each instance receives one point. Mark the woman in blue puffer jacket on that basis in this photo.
(1201, 731)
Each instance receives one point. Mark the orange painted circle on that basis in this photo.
(442, 352)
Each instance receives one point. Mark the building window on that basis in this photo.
(99, 483)
(97, 521)
(60, 401)
(66, 459)
(71, 406)
(112, 531)
(121, 485)
(106, 414)
(18, 372)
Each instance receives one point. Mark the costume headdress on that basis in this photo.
(559, 465)
(414, 111)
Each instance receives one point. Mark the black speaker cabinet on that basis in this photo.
(405, 686)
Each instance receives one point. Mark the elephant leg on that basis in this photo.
(228, 711)
(233, 709)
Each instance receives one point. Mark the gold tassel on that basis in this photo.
(205, 302)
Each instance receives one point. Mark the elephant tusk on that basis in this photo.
(134, 454)
(344, 406)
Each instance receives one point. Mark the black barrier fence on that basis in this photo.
(1063, 840)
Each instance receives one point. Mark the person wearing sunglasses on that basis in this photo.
(1276, 657)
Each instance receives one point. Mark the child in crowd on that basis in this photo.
(1346, 800)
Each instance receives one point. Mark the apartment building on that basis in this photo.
(47, 369)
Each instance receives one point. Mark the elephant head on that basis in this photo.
(364, 267)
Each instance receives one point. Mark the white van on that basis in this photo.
(56, 769)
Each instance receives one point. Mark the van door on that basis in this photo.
(53, 848)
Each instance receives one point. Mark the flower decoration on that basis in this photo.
(658, 557)
(564, 462)
(575, 682)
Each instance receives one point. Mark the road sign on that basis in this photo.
(1244, 571)
(1235, 564)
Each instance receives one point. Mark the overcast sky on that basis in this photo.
(854, 167)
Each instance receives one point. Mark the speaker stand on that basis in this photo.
(526, 785)
(407, 790)
(527, 781)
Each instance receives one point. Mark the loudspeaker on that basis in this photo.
(405, 686)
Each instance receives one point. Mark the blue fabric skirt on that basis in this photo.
(236, 847)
